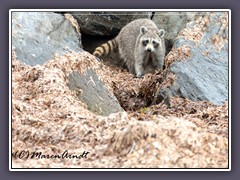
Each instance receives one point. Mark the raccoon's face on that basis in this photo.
(151, 40)
(150, 45)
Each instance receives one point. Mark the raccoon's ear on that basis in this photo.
(143, 30)
(161, 33)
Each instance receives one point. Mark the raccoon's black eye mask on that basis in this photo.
(155, 44)
(145, 42)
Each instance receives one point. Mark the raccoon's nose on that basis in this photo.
(149, 50)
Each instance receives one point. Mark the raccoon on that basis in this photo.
(140, 44)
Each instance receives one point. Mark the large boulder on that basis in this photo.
(106, 23)
(94, 93)
(199, 60)
(37, 36)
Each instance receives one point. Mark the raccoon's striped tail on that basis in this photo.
(106, 48)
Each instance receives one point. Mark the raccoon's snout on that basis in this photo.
(149, 50)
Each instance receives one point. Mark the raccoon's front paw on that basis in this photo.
(139, 75)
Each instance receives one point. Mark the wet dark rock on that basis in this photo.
(106, 23)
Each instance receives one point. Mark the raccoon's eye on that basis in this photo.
(145, 42)
(155, 44)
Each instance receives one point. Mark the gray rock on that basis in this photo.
(106, 23)
(173, 23)
(37, 36)
(204, 75)
(94, 93)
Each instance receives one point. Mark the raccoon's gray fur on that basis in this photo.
(140, 44)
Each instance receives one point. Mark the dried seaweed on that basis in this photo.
(48, 117)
